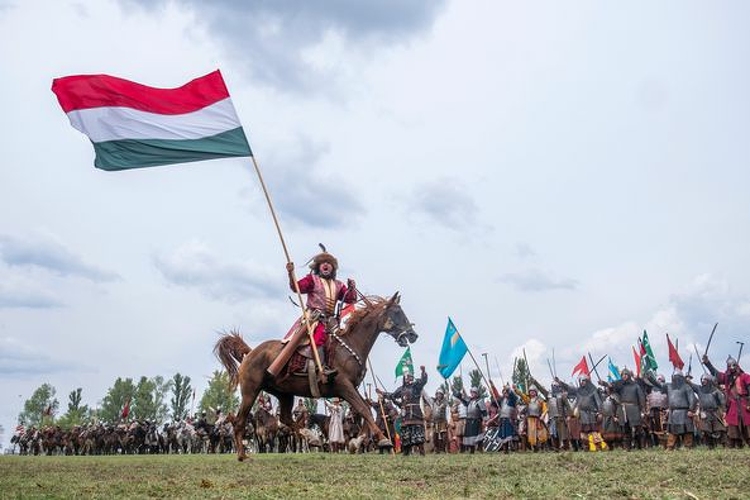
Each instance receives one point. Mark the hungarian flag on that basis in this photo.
(133, 125)
(582, 367)
(674, 356)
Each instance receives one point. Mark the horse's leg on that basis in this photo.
(250, 391)
(352, 396)
(286, 401)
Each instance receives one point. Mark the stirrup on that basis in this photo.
(329, 372)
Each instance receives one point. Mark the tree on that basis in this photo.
(311, 404)
(446, 388)
(76, 414)
(457, 385)
(40, 408)
(521, 375)
(218, 395)
(182, 391)
(118, 395)
(476, 381)
(148, 400)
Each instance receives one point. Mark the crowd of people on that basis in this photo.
(631, 412)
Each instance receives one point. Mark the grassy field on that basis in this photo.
(703, 474)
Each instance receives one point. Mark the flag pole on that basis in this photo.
(382, 408)
(481, 373)
(305, 314)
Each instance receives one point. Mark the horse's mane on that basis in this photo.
(372, 303)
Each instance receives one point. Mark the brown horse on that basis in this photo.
(247, 367)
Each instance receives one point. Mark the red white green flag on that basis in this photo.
(134, 126)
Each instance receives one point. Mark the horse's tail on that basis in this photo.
(230, 349)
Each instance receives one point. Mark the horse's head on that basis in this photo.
(396, 324)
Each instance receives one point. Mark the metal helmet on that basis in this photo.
(732, 363)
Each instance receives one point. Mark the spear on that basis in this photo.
(499, 371)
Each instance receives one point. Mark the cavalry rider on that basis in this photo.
(324, 292)
(737, 392)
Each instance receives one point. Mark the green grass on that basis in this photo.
(704, 474)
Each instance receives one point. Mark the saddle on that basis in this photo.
(302, 361)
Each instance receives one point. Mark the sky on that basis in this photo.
(554, 177)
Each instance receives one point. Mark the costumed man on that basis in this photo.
(682, 405)
(536, 407)
(324, 292)
(387, 426)
(736, 390)
(711, 404)
(633, 401)
(587, 408)
(300, 414)
(508, 416)
(408, 397)
(656, 403)
(440, 422)
(558, 411)
(475, 413)
(458, 425)
(613, 414)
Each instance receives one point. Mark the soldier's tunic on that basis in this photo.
(558, 411)
(412, 420)
(710, 402)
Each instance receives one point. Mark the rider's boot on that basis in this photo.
(327, 370)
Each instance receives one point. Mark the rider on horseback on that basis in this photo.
(324, 292)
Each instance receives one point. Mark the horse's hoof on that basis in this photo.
(241, 457)
(385, 443)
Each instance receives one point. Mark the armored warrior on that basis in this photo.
(612, 417)
(682, 405)
(588, 408)
(656, 405)
(558, 411)
(711, 403)
(407, 397)
(475, 413)
(440, 422)
(633, 400)
(737, 392)
(536, 431)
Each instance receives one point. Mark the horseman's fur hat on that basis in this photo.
(324, 256)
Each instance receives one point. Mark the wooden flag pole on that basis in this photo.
(481, 373)
(305, 314)
(382, 408)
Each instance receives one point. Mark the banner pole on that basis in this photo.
(288, 261)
